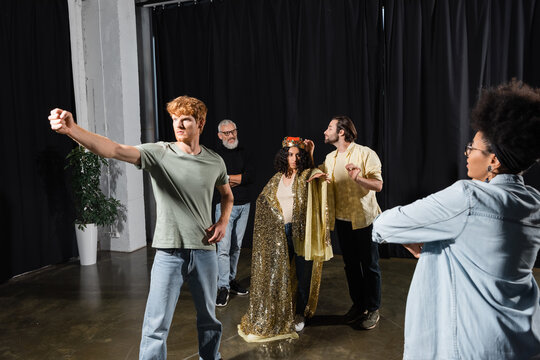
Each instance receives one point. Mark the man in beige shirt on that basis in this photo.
(355, 171)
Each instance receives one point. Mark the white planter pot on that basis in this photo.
(87, 244)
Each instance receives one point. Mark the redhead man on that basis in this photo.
(184, 174)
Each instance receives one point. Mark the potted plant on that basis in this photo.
(92, 207)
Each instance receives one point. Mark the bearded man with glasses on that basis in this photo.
(240, 178)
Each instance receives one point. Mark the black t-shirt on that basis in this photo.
(237, 162)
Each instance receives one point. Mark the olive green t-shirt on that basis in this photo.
(183, 186)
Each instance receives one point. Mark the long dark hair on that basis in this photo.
(282, 165)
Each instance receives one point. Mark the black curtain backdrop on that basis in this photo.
(438, 55)
(35, 73)
(286, 67)
(275, 67)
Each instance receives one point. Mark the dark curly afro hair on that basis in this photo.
(508, 116)
(282, 165)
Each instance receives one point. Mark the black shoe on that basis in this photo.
(370, 320)
(353, 315)
(237, 289)
(222, 297)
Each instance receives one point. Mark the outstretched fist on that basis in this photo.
(61, 121)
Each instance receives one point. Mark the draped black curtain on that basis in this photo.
(285, 67)
(35, 76)
(438, 55)
(275, 67)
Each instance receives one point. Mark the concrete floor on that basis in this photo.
(95, 312)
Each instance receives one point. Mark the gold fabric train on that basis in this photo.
(270, 315)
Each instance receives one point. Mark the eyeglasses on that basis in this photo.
(469, 149)
(229, 133)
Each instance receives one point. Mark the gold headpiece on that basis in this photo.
(290, 141)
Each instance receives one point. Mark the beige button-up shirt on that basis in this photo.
(348, 200)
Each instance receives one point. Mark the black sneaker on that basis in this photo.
(237, 289)
(222, 297)
(369, 321)
(353, 315)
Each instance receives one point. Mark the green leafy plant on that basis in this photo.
(91, 205)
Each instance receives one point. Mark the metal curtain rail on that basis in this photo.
(155, 3)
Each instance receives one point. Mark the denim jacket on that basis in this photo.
(473, 295)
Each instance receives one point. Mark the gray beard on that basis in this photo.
(232, 146)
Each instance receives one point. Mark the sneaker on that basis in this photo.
(237, 289)
(353, 315)
(370, 320)
(299, 323)
(222, 297)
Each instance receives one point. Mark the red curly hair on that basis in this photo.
(190, 106)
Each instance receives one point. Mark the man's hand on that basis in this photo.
(320, 175)
(356, 174)
(310, 146)
(61, 121)
(216, 232)
(415, 249)
(352, 170)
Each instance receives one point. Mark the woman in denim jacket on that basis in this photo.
(473, 294)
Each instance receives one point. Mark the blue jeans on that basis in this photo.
(303, 273)
(229, 247)
(170, 269)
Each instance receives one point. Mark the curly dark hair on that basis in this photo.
(508, 116)
(282, 165)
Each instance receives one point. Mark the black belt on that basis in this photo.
(168, 251)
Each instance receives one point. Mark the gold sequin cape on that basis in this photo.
(270, 315)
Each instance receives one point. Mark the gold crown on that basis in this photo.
(290, 141)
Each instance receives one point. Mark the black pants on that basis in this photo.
(361, 258)
(303, 273)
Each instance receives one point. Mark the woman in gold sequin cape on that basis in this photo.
(270, 315)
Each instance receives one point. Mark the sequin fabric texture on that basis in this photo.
(271, 309)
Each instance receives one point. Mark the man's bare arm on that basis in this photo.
(62, 122)
(370, 184)
(218, 229)
(235, 179)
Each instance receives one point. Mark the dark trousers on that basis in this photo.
(361, 258)
(303, 273)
